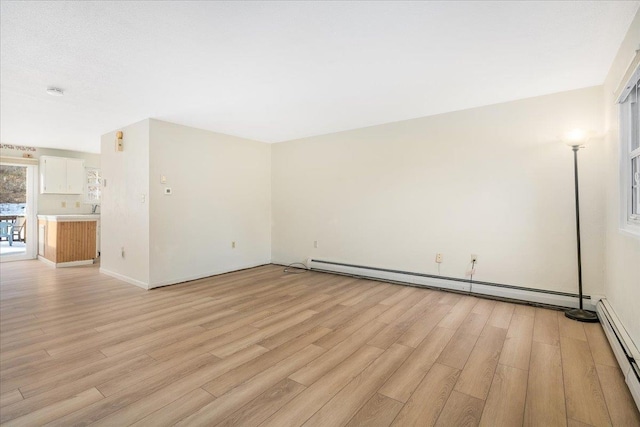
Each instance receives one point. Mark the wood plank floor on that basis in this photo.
(260, 347)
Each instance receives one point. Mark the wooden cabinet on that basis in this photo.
(67, 240)
(60, 175)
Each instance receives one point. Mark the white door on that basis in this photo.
(27, 249)
(75, 176)
(53, 175)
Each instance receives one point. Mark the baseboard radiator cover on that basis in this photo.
(623, 347)
(479, 288)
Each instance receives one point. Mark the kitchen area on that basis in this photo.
(57, 220)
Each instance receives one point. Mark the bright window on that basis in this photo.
(630, 151)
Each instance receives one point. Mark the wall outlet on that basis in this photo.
(167, 191)
(233, 245)
(474, 258)
(63, 204)
(438, 258)
(315, 244)
(77, 204)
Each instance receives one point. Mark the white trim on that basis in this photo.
(526, 295)
(627, 225)
(203, 275)
(18, 161)
(65, 264)
(124, 278)
(31, 249)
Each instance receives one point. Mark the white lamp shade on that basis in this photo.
(577, 137)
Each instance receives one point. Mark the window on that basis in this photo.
(630, 151)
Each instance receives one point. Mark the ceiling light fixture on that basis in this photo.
(54, 91)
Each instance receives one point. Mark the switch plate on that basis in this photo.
(163, 179)
(143, 198)
(233, 245)
(438, 258)
(315, 244)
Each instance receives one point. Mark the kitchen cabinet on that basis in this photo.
(60, 175)
(67, 240)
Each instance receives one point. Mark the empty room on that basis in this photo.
(319, 213)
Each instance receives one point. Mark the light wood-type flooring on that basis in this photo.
(260, 347)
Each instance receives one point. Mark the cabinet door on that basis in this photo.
(53, 175)
(75, 176)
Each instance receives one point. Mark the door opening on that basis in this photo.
(18, 233)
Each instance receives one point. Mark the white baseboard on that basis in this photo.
(203, 275)
(539, 296)
(124, 278)
(65, 264)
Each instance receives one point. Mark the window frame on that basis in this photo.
(629, 220)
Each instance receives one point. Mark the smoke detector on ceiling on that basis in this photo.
(54, 91)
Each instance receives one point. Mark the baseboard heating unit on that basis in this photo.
(623, 347)
(496, 290)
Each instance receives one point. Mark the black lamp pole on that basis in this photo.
(579, 313)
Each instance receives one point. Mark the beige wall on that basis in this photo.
(124, 215)
(221, 193)
(52, 203)
(622, 261)
(493, 181)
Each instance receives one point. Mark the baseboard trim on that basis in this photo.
(65, 264)
(204, 275)
(479, 288)
(124, 278)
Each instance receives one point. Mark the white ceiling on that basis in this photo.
(274, 71)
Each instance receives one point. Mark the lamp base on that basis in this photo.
(581, 315)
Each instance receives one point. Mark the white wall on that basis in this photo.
(493, 181)
(221, 193)
(52, 203)
(622, 266)
(124, 216)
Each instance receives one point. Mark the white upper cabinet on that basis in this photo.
(59, 175)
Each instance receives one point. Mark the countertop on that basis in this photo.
(70, 218)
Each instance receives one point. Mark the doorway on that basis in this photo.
(18, 228)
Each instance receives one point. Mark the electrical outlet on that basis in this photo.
(315, 244)
(77, 204)
(233, 245)
(474, 258)
(63, 204)
(438, 258)
(167, 191)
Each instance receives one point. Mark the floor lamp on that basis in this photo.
(576, 140)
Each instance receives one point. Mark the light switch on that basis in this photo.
(163, 179)
(143, 198)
